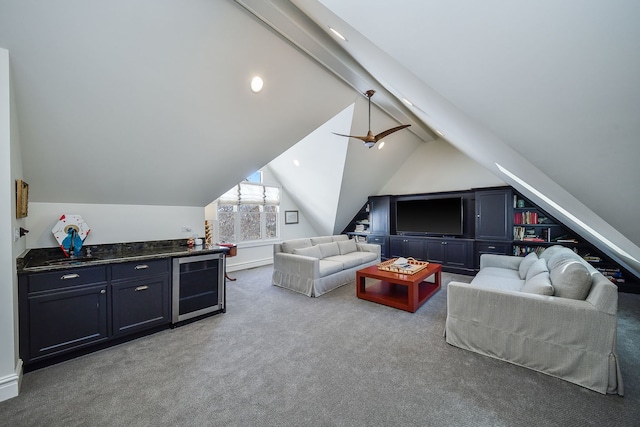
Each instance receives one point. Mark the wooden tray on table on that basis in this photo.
(412, 266)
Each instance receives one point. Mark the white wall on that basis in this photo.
(10, 170)
(439, 166)
(115, 223)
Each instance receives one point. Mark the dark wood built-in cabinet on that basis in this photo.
(68, 310)
(496, 220)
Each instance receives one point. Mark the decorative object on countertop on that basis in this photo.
(70, 232)
(208, 233)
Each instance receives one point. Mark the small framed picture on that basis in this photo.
(290, 217)
(22, 198)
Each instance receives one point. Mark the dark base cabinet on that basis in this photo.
(455, 255)
(140, 295)
(72, 310)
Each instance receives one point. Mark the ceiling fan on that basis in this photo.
(371, 139)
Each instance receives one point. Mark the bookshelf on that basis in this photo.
(359, 227)
(534, 229)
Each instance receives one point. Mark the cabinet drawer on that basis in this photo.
(66, 278)
(494, 248)
(132, 270)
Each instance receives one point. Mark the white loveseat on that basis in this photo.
(555, 314)
(314, 266)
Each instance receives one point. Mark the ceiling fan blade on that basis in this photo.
(362, 138)
(389, 132)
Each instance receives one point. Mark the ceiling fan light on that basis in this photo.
(369, 144)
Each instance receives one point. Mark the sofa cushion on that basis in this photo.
(526, 263)
(312, 251)
(329, 267)
(339, 237)
(348, 260)
(539, 266)
(539, 284)
(329, 249)
(571, 279)
(347, 246)
(320, 240)
(498, 282)
(366, 256)
(289, 245)
(490, 272)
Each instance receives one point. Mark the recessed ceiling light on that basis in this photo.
(296, 162)
(407, 102)
(256, 84)
(380, 145)
(439, 133)
(340, 36)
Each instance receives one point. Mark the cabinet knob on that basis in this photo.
(70, 276)
(141, 266)
(103, 291)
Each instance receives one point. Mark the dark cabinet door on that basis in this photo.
(415, 248)
(493, 215)
(379, 209)
(435, 251)
(65, 320)
(407, 247)
(453, 253)
(140, 304)
(456, 254)
(396, 246)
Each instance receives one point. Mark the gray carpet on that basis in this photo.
(281, 358)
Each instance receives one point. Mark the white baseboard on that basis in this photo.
(249, 264)
(10, 385)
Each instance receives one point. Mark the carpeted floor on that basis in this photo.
(278, 358)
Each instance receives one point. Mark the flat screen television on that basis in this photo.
(430, 216)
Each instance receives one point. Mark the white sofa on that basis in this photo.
(316, 265)
(555, 314)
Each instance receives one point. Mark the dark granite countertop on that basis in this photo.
(49, 259)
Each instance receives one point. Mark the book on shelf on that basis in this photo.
(526, 217)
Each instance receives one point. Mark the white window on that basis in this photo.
(248, 213)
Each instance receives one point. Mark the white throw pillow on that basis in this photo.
(290, 245)
(329, 249)
(347, 246)
(539, 284)
(312, 251)
(526, 263)
(539, 266)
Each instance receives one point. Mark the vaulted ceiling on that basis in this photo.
(148, 102)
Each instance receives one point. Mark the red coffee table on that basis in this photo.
(404, 291)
